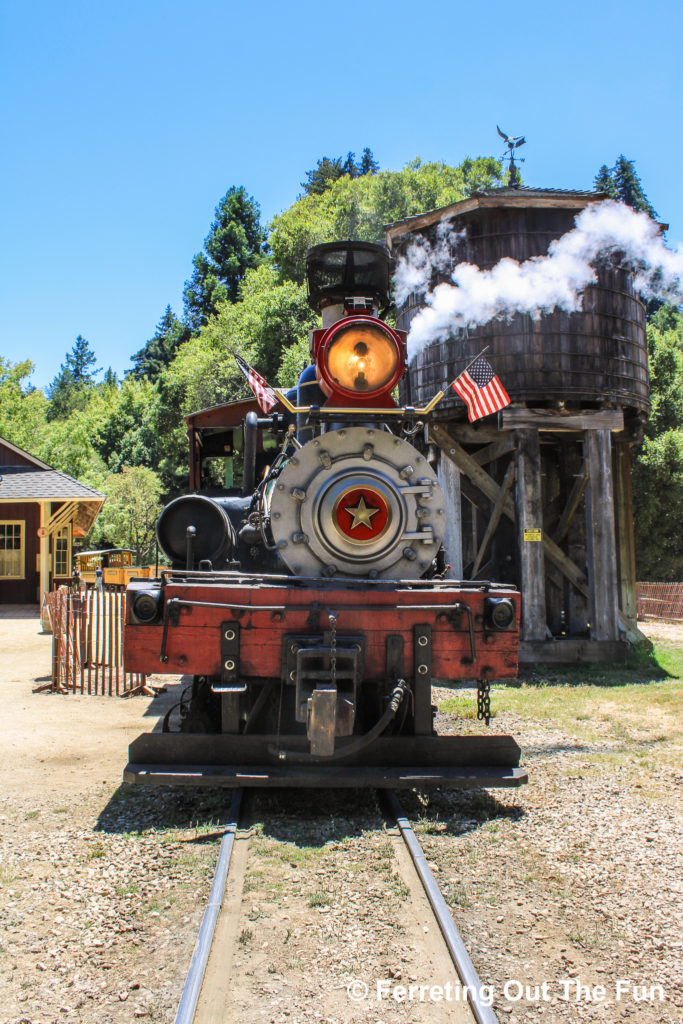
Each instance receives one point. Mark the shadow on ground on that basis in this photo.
(458, 811)
(19, 611)
(310, 818)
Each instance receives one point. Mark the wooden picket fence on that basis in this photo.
(87, 644)
(659, 600)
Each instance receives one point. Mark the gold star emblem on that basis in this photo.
(361, 514)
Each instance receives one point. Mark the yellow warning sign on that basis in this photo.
(533, 535)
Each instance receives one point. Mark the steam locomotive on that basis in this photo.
(311, 606)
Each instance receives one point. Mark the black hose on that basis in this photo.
(298, 757)
(167, 716)
(165, 726)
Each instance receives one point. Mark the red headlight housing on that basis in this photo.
(359, 361)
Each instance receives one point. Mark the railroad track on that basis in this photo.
(205, 997)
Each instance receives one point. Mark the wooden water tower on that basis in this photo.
(541, 494)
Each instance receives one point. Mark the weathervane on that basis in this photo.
(513, 143)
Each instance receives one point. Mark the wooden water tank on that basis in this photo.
(589, 358)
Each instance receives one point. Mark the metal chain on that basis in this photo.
(333, 647)
(484, 700)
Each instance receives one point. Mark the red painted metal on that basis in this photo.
(362, 514)
(268, 613)
(341, 396)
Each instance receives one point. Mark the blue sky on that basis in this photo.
(124, 124)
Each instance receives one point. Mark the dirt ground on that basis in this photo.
(58, 744)
(102, 886)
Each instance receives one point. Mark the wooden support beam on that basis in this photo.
(626, 546)
(488, 486)
(44, 563)
(475, 497)
(506, 444)
(569, 651)
(600, 537)
(495, 517)
(517, 417)
(449, 478)
(529, 509)
(466, 433)
(565, 565)
(575, 497)
(466, 464)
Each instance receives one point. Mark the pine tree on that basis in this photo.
(349, 166)
(330, 169)
(235, 243)
(629, 188)
(326, 171)
(368, 164)
(604, 182)
(157, 353)
(81, 361)
(76, 374)
(622, 183)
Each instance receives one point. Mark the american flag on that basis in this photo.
(265, 396)
(480, 389)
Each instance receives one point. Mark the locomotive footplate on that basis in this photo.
(421, 762)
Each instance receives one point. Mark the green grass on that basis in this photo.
(8, 874)
(669, 659)
(287, 853)
(319, 899)
(127, 890)
(462, 706)
(430, 826)
(630, 713)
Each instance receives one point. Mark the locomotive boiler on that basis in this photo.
(308, 605)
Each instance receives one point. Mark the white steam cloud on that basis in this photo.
(414, 270)
(540, 284)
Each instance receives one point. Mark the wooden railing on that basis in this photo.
(659, 600)
(87, 644)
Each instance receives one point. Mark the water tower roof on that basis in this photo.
(517, 196)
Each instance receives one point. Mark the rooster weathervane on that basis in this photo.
(513, 142)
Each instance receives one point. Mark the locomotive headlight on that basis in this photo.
(499, 613)
(361, 358)
(146, 607)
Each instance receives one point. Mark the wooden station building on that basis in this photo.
(540, 495)
(41, 512)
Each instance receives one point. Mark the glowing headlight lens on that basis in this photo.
(362, 358)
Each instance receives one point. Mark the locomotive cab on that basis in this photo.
(307, 599)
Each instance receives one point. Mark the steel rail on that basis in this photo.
(456, 947)
(195, 975)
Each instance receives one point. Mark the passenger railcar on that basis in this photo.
(116, 565)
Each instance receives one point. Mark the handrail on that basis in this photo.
(337, 411)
